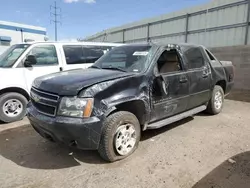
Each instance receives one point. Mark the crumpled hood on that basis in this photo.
(73, 81)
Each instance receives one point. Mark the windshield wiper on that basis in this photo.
(114, 68)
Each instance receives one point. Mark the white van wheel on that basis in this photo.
(12, 107)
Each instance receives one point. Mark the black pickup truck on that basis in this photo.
(130, 89)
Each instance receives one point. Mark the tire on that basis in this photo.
(212, 107)
(112, 136)
(19, 101)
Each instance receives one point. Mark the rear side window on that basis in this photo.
(195, 58)
(92, 53)
(78, 54)
(74, 54)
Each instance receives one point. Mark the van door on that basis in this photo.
(47, 62)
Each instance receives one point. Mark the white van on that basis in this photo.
(22, 63)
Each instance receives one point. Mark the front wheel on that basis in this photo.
(120, 137)
(12, 107)
(216, 102)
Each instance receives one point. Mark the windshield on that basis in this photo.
(9, 57)
(125, 58)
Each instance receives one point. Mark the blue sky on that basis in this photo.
(81, 18)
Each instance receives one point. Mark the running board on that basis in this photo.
(175, 118)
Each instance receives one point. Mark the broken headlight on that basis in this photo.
(76, 107)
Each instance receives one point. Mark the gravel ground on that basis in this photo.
(204, 151)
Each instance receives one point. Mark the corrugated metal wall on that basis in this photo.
(217, 23)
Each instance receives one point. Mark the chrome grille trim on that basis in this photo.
(45, 93)
(37, 99)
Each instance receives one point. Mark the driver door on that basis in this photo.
(47, 62)
(170, 89)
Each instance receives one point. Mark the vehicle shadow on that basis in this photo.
(203, 114)
(232, 173)
(26, 148)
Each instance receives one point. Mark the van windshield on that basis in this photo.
(130, 58)
(9, 57)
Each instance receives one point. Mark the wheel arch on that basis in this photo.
(17, 90)
(221, 83)
(136, 107)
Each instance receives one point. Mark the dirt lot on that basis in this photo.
(197, 152)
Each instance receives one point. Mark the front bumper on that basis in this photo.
(77, 132)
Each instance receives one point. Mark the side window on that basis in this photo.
(74, 54)
(92, 53)
(195, 58)
(169, 62)
(77, 54)
(44, 55)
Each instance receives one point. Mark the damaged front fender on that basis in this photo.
(123, 94)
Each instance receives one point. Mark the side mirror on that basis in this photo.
(29, 61)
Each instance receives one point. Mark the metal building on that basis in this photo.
(13, 33)
(217, 23)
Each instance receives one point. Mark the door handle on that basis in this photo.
(183, 80)
(61, 69)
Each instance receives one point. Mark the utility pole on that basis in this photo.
(21, 30)
(55, 11)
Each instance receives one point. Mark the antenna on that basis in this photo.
(55, 12)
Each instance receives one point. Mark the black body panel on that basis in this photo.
(199, 88)
(176, 98)
(71, 82)
(84, 132)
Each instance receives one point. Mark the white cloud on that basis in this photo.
(85, 1)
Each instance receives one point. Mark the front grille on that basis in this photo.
(44, 108)
(46, 95)
(44, 102)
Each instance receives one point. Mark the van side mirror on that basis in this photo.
(29, 61)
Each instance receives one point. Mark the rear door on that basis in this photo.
(170, 87)
(199, 74)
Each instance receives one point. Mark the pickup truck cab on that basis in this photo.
(130, 89)
(22, 63)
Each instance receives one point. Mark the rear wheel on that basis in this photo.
(215, 104)
(12, 107)
(120, 137)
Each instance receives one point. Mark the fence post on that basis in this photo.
(247, 23)
(186, 28)
(148, 36)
